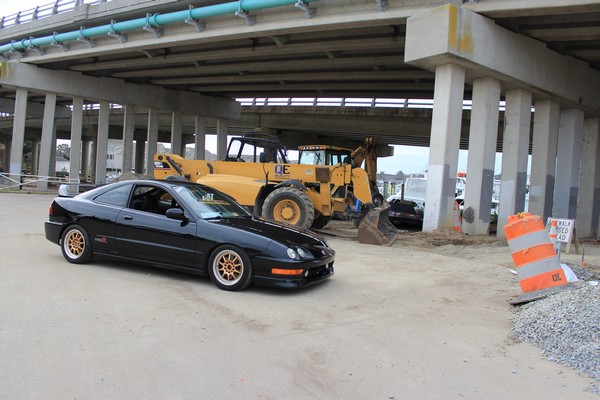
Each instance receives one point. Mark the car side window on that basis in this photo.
(115, 197)
(151, 199)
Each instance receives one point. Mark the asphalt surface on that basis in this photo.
(393, 323)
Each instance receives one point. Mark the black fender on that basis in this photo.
(293, 183)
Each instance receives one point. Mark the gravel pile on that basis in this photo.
(566, 326)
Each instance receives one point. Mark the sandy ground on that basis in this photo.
(426, 318)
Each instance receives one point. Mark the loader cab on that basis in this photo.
(256, 148)
(323, 155)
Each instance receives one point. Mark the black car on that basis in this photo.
(405, 212)
(188, 227)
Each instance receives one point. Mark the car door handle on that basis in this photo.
(127, 217)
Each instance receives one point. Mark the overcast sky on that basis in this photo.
(406, 158)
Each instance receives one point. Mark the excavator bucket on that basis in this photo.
(376, 228)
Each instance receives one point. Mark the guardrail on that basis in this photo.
(10, 181)
(44, 11)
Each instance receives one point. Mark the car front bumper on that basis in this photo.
(313, 272)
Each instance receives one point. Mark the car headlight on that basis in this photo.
(292, 253)
(302, 253)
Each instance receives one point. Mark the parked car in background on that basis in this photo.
(406, 211)
(188, 227)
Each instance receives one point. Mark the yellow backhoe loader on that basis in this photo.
(258, 175)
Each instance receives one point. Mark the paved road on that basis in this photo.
(392, 324)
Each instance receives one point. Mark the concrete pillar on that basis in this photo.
(85, 159)
(222, 125)
(200, 137)
(515, 146)
(445, 140)
(35, 156)
(587, 177)
(18, 133)
(570, 134)
(177, 133)
(102, 141)
(128, 130)
(6, 162)
(483, 133)
(93, 156)
(48, 141)
(596, 208)
(76, 133)
(152, 146)
(543, 158)
(140, 152)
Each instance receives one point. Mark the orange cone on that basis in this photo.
(456, 218)
(553, 234)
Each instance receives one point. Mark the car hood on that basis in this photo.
(285, 234)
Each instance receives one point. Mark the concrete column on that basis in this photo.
(515, 146)
(76, 133)
(445, 140)
(128, 130)
(222, 125)
(102, 141)
(35, 157)
(152, 147)
(85, 159)
(570, 135)
(543, 158)
(140, 152)
(93, 146)
(18, 133)
(596, 208)
(200, 138)
(6, 162)
(587, 177)
(47, 140)
(177, 133)
(483, 133)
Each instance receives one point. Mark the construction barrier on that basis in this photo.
(456, 218)
(538, 267)
(553, 235)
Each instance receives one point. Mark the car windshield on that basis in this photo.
(209, 204)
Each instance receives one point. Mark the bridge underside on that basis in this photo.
(542, 55)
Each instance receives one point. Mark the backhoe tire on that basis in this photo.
(289, 205)
(320, 221)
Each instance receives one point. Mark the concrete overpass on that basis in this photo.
(192, 61)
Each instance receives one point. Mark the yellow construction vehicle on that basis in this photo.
(257, 174)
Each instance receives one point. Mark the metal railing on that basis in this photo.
(44, 11)
(9, 181)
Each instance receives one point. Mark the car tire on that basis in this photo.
(229, 268)
(76, 245)
(289, 205)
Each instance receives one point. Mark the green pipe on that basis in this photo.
(156, 20)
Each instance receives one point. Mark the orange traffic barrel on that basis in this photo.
(456, 218)
(538, 266)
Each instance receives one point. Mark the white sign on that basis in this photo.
(564, 229)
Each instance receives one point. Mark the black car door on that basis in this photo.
(145, 233)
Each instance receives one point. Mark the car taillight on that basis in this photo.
(50, 211)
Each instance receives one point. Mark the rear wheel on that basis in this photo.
(230, 268)
(321, 221)
(289, 205)
(76, 245)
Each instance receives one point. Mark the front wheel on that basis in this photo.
(230, 268)
(76, 245)
(289, 205)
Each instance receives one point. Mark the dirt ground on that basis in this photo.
(426, 318)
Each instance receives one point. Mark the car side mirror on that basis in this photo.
(176, 213)
(262, 157)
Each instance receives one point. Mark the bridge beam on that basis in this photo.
(73, 84)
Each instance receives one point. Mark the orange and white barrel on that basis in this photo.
(553, 235)
(456, 218)
(538, 266)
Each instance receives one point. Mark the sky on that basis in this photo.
(407, 159)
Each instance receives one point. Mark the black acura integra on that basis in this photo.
(188, 227)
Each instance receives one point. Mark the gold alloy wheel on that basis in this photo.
(75, 245)
(287, 211)
(230, 267)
